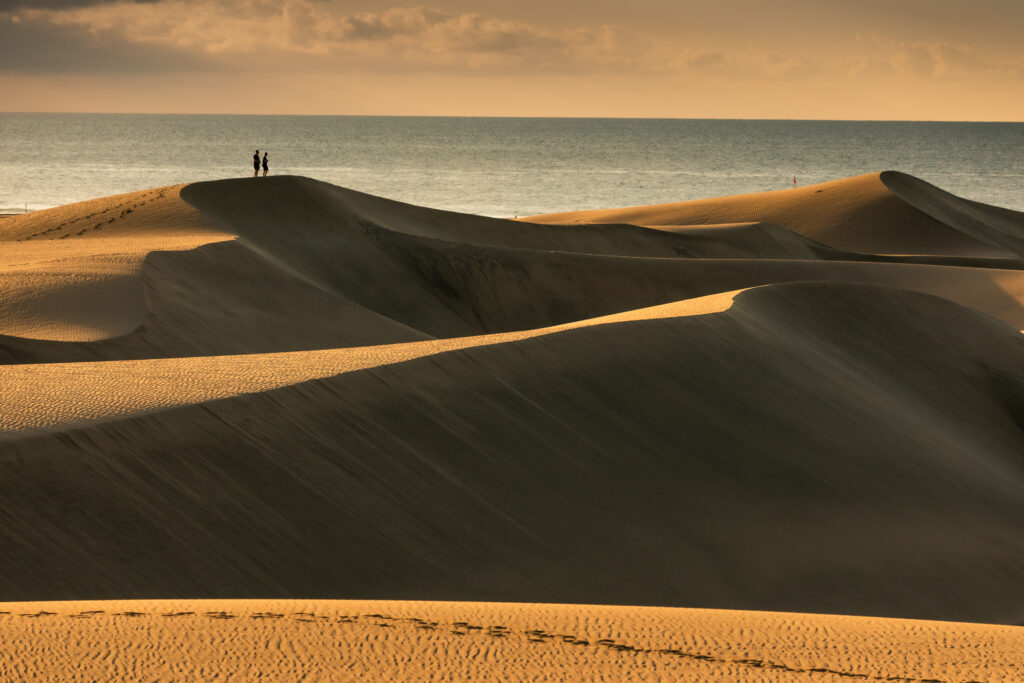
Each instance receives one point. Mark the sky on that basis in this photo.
(827, 59)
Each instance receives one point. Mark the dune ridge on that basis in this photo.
(872, 213)
(309, 251)
(136, 387)
(804, 401)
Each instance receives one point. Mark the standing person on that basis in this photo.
(256, 164)
(266, 166)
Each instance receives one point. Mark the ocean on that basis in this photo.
(496, 166)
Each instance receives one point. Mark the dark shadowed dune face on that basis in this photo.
(809, 400)
(990, 224)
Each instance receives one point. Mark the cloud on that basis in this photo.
(6, 5)
(324, 36)
(40, 47)
(314, 34)
(930, 60)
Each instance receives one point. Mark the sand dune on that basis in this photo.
(77, 291)
(862, 214)
(991, 224)
(326, 267)
(137, 214)
(806, 401)
(135, 387)
(377, 640)
(500, 472)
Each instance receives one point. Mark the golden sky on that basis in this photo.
(833, 59)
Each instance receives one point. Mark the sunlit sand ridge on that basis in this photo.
(379, 640)
(803, 401)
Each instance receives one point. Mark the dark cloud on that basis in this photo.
(321, 35)
(395, 22)
(50, 49)
(8, 5)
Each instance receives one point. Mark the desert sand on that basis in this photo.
(779, 406)
(340, 640)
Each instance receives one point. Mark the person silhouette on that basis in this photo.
(256, 164)
(266, 166)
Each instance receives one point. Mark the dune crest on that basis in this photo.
(134, 387)
(860, 214)
(991, 224)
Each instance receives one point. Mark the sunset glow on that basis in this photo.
(941, 60)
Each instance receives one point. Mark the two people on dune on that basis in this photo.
(256, 164)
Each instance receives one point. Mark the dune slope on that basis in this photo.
(992, 224)
(742, 458)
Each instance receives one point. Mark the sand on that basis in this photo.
(886, 212)
(807, 402)
(241, 640)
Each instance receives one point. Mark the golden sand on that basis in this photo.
(428, 641)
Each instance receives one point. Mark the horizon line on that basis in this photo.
(496, 116)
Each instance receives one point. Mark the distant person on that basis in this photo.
(256, 164)
(266, 166)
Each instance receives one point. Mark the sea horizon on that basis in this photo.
(498, 166)
(496, 116)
